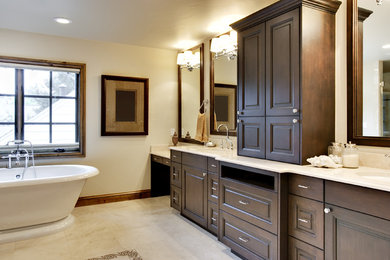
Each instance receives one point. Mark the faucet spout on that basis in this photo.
(227, 135)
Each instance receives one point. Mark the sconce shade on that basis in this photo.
(180, 59)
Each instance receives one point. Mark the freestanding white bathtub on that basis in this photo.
(42, 198)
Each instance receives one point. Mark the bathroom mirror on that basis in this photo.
(223, 94)
(191, 95)
(368, 72)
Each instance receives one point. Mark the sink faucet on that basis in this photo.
(230, 142)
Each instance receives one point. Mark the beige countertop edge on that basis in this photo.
(344, 175)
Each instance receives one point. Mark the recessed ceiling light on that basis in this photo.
(387, 46)
(62, 20)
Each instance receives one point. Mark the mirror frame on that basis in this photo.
(201, 49)
(354, 72)
(212, 84)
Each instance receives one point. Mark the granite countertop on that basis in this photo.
(368, 177)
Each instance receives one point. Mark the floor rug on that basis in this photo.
(124, 255)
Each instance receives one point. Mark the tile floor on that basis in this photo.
(150, 226)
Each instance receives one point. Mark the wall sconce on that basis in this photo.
(189, 60)
(225, 45)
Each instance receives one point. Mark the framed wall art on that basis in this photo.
(124, 105)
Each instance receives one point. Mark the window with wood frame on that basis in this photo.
(43, 102)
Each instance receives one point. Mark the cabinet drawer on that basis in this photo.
(246, 239)
(306, 220)
(370, 201)
(212, 217)
(176, 174)
(212, 187)
(212, 165)
(249, 203)
(156, 158)
(298, 250)
(308, 187)
(175, 197)
(176, 156)
(166, 161)
(194, 160)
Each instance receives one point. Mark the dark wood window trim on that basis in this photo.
(80, 105)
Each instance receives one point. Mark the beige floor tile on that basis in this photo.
(149, 226)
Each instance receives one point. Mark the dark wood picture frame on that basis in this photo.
(145, 105)
(355, 18)
(181, 138)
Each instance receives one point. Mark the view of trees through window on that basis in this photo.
(48, 109)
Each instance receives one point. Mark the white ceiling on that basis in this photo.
(170, 24)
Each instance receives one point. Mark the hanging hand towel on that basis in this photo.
(201, 129)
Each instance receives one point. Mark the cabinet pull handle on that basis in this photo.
(238, 112)
(174, 156)
(243, 202)
(213, 219)
(213, 188)
(295, 121)
(245, 240)
(174, 199)
(327, 210)
(213, 165)
(303, 220)
(295, 110)
(302, 186)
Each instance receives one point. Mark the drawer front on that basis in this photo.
(369, 201)
(212, 187)
(212, 165)
(308, 187)
(176, 174)
(212, 218)
(306, 220)
(246, 239)
(176, 156)
(298, 250)
(157, 159)
(166, 161)
(194, 160)
(175, 197)
(251, 204)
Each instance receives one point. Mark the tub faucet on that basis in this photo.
(229, 142)
(19, 153)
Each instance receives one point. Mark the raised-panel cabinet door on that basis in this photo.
(298, 250)
(283, 142)
(350, 235)
(251, 136)
(282, 67)
(194, 201)
(251, 75)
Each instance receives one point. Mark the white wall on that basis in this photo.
(123, 161)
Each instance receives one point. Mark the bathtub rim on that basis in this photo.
(86, 172)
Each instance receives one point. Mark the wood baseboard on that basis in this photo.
(113, 197)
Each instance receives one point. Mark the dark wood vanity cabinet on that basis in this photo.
(305, 218)
(251, 212)
(194, 188)
(357, 222)
(286, 79)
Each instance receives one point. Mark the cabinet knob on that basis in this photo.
(239, 121)
(295, 110)
(295, 121)
(204, 174)
(240, 113)
(327, 210)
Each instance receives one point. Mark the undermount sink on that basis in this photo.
(379, 176)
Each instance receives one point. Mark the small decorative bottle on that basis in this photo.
(350, 156)
(175, 139)
(336, 149)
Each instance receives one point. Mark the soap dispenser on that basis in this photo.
(350, 156)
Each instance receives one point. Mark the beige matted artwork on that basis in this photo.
(124, 105)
